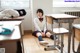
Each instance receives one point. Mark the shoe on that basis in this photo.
(53, 37)
(43, 43)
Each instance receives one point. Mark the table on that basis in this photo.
(12, 19)
(15, 19)
(16, 35)
(63, 18)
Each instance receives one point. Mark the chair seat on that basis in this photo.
(60, 30)
(76, 26)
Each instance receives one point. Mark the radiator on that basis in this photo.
(73, 13)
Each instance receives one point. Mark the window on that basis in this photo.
(15, 4)
(65, 3)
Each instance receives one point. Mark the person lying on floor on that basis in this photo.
(40, 27)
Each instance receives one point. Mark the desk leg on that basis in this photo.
(21, 39)
(62, 45)
(69, 36)
(19, 48)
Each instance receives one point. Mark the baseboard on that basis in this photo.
(27, 31)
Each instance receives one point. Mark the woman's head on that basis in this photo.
(40, 12)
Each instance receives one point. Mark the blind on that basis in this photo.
(15, 4)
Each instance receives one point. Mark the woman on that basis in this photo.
(40, 27)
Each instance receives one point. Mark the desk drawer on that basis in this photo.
(10, 47)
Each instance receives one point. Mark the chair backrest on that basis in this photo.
(49, 19)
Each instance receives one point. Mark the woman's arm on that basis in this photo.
(45, 27)
(36, 25)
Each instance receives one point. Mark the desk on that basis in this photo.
(16, 35)
(12, 19)
(15, 23)
(63, 18)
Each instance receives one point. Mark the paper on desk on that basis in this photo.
(10, 27)
(1, 29)
(7, 29)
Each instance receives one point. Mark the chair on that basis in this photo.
(76, 34)
(57, 33)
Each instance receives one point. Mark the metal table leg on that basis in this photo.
(22, 45)
(62, 45)
(69, 36)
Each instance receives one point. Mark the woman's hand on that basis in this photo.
(43, 34)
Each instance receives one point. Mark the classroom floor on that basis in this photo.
(31, 44)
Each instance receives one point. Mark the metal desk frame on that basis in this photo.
(69, 21)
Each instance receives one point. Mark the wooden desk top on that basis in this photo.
(15, 35)
(13, 19)
(10, 23)
(62, 16)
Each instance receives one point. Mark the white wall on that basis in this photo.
(27, 22)
(46, 5)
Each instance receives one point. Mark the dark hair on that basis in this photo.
(40, 10)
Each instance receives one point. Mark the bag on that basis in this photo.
(21, 12)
